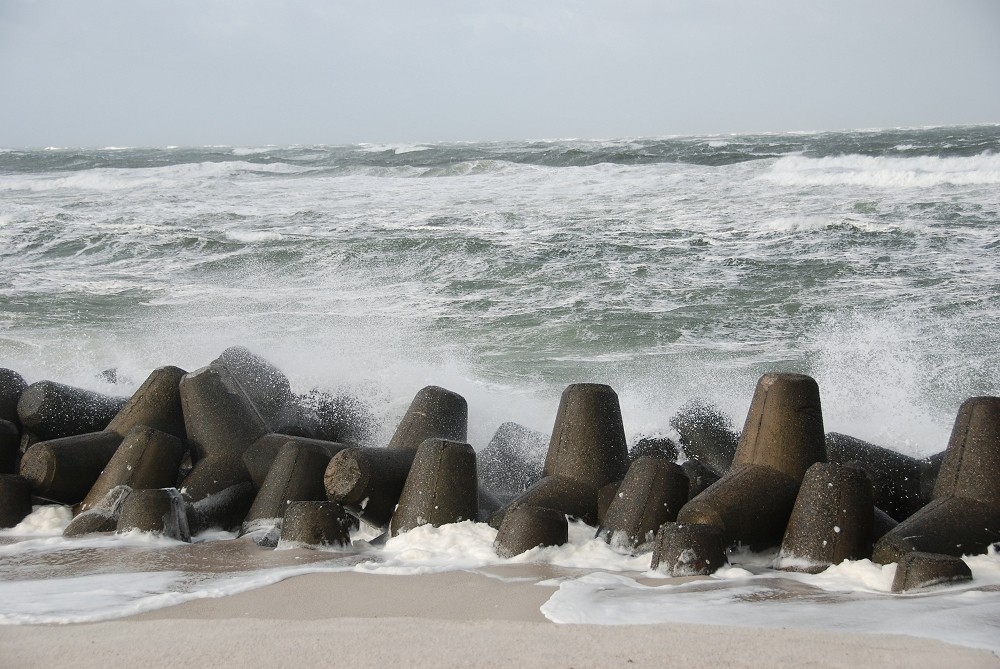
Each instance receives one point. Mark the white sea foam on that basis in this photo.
(44, 521)
(250, 151)
(850, 597)
(115, 179)
(398, 149)
(251, 236)
(885, 172)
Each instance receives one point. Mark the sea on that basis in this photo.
(672, 268)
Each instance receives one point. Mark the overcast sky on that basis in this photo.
(137, 72)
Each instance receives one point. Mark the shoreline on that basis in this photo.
(450, 619)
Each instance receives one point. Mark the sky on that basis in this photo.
(254, 72)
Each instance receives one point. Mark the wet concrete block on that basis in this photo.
(368, 481)
(831, 521)
(512, 461)
(218, 493)
(64, 470)
(102, 516)
(652, 493)
(157, 510)
(707, 435)
(751, 504)
(922, 570)
(223, 510)
(12, 385)
(146, 458)
(526, 526)
(682, 549)
(971, 465)
(15, 499)
(588, 439)
(948, 525)
(296, 475)
(10, 447)
(605, 496)
(699, 477)
(896, 477)
(261, 454)
(434, 413)
(882, 524)
(53, 410)
(571, 497)
(929, 469)
(656, 446)
(782, 437)
(964, 516)
(219, 418)
(784, 426)
(442, 487)
(156, 404)
(265, 385)
(317, 524)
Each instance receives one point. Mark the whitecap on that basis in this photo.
(885, 172)
(253, 236)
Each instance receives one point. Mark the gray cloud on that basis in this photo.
(117, 72)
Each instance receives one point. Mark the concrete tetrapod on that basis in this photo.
(219, 418)
(588, 439)
(54, 410)
(101, 516)
(146, 458)
(434, 413)
(831, 521)
(570, 497)
(60, 468)
(311, 524)
(64, 470)
(441, 488)
(699, 476)
(527, 526)
(368, 481)
(651, 494)
(218, 493)
(605, 495)
(782, 438)
(261, 454)
(688, 550)
(922, 570)
(266, 386)
(296, 475)
(964, 516)
(895, 477)
(929, 469)
(10, 447)
(159, 510)
(12, 385)
(15, 499)
(156, 404)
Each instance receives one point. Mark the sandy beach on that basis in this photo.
(453, 619)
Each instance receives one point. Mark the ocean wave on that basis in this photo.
(114, 179)
(886, 172)
(251, 150)
(251, 236)
(396, 149)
